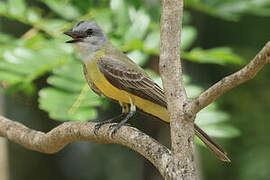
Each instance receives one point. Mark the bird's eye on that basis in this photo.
(89, 32)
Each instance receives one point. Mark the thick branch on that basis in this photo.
(69, 132)
(235, 79)
(182, 165)
(170, 64)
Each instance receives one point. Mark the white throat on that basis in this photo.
(88, 50)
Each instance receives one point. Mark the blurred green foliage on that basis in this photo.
(230, 9)
(42, 51)
(133, 26)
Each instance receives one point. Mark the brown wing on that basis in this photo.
(131, 78)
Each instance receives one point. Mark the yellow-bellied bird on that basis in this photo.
(111, 73)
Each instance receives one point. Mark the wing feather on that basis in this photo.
(131, 78)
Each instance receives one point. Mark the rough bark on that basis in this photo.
(182, 164)
(69, 132)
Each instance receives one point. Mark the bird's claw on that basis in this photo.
(97, 127)
(117, 126)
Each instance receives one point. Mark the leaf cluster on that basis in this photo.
(132, 26)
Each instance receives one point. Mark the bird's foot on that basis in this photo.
(117, 126)
(122, 123)
(98, 125)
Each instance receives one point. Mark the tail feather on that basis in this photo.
(211, 144)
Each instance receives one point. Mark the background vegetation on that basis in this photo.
(43, 83)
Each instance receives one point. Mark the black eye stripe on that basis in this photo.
(89, 32)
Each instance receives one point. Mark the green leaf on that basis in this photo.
(63, 105)
(138, 57)
(36, 42)
(208, 117)
(221, 130)
(104, 19)
(212, 10)
(214, 123)
(220, 55)
(188, 36)
(63, 8)
(58, 104)
(230, 10)
(72, 70)
(16, 7)
(5, 38)
(65, 83)
(186, 79)
(117, 4)
(237, 8)
(9, 77)
(193, 91)
(135, 44)
(186, 17)
(158, 79)
(27, 64)
(27, 88)
(3, 7)
(71, 93)
(32, 16)
(54, 26)
(140, 22)
(120, 10)
(152, 42)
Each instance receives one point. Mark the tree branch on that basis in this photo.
(182, 164)
(69, 132)
(235, 79)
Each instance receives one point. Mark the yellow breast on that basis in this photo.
(122, 96)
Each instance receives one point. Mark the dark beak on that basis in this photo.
(76, 35)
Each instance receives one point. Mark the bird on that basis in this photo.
(111, 73)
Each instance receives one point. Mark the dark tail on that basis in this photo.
(214, 147)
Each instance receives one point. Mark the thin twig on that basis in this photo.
(233, 80)
(30, 33)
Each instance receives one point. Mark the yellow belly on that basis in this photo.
(122, 96)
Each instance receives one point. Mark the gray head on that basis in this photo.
(87, 32)
(88, 37)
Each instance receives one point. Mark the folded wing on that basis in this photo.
(123, 76)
